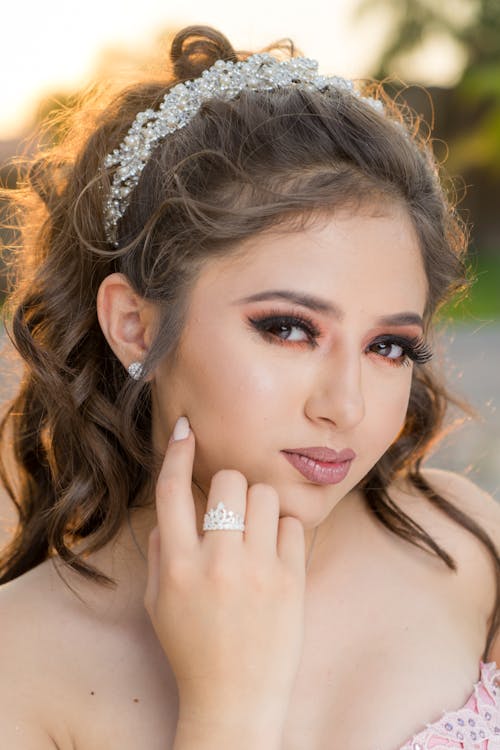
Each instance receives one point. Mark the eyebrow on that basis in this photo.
(329, 308)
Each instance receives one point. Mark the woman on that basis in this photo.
(225, 317)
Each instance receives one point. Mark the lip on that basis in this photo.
(321, 465)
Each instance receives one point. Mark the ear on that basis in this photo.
(126, 319)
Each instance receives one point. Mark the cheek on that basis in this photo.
(243, 392)
(388, 410)
(229, 412)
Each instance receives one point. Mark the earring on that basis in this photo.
(135, 370)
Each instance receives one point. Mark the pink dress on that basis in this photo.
(475, 726)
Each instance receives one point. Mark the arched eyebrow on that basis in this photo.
(316, 304)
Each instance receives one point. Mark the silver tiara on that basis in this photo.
(224, 80)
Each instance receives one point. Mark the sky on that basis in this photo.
(57, 45)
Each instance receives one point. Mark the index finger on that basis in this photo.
(174, 497)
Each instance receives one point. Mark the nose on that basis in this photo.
(336, 394)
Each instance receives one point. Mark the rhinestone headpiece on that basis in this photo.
(224, 80)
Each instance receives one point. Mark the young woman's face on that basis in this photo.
(303, 342)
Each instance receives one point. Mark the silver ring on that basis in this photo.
(221, 519)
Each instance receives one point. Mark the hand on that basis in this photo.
(227, 607)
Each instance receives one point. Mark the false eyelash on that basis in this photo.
(414, 349)
(276, 318)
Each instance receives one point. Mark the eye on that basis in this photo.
(387, 350)
(286, 329)
(399, 350)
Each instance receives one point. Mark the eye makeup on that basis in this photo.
(277, 327)
(275, 324)
(413, 349)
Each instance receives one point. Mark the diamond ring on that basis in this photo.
(221, 519)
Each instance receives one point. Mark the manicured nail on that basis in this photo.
(181, 429)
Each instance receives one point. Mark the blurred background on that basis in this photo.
(442, 58)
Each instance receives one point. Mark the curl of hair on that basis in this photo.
(80, 428)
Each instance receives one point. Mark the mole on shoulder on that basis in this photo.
(92, 692)
(136, 700)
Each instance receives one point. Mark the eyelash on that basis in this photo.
(276, 319)
(414, 349)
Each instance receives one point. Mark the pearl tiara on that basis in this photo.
(224, 80)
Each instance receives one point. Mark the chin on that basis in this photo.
(310, 504)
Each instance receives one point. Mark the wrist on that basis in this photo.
(225, 729)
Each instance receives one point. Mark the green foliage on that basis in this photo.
(483, 301)
(413, 22)
(481, 36)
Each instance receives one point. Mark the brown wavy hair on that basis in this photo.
(79, 427)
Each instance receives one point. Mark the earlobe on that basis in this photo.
(125, 318)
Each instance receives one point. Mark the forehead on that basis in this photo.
(370, 258)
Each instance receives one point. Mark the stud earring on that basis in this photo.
(135, 370)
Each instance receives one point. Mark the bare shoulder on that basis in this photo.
(73, 653)
(460, 492)
(476, 574)
(54, 635)
(29, 656)
(469, 498)
(485, 510)
(25, 603)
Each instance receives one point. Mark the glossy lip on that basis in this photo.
(321, 465)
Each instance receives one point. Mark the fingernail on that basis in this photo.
(181, 429)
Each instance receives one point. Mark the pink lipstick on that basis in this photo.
(321, 465)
